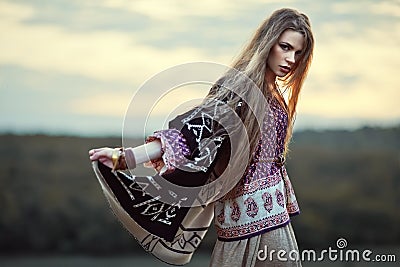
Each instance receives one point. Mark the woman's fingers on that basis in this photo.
(96, 154)
(94, 150)
(103, 155)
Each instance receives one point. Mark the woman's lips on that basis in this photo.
(284, 69)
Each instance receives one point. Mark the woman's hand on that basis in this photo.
(157, 164)
(104, 155)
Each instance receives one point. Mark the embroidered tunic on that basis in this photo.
(264, 198)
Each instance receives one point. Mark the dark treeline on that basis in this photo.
(347, 184)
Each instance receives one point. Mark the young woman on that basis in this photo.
(253, 218)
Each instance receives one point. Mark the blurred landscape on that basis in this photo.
(347, 184)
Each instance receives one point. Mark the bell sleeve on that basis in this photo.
(162, 218)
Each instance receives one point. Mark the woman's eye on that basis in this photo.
(284, 47)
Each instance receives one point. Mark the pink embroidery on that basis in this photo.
(235, 215)
(251, 207)
(279, 198)
(221, 216)
(245, 230)
(293, 207)
(267, 183)
(256, 184)
(174, 148)
(268, 205)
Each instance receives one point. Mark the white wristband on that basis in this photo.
(144, 153)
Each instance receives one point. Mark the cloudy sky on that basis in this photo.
(72, 66)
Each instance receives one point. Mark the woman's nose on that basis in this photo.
(291, 58)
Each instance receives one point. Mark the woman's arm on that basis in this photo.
(132, 156)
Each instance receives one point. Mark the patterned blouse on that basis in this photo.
(264, 198)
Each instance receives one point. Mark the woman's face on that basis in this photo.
(285, 53)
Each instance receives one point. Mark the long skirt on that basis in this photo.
(260, 250)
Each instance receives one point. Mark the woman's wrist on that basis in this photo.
(147, 152)
(141, 154)
(118, 159)
(128, 158)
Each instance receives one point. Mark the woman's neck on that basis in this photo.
(270, 79)
(272, 87)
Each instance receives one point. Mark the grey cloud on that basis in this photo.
(75, 16)
(33, 101)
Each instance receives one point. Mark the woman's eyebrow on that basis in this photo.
(290, 46)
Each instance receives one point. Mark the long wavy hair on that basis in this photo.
(252, 62)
